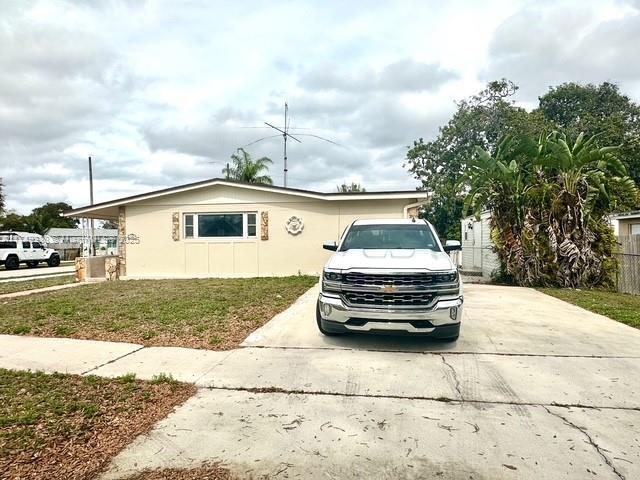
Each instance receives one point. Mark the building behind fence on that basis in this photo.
(628, 278)
(74, 242)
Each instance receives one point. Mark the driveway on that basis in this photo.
(534, 389)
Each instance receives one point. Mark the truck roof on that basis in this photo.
(387, 221)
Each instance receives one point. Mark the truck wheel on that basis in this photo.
(54, 260)
(12, 263)
(328, 333)
(32, 264)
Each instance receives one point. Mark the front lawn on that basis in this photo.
(68, 426)
(204, 313)
(22, 285)
(622, 307)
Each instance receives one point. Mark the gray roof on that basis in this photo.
(79, 232)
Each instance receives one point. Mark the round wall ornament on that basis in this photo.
(294, 225)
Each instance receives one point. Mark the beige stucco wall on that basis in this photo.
(158, 255)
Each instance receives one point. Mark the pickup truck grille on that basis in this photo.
(421, 280)
(388, 299)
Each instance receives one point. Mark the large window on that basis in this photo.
(220, 225)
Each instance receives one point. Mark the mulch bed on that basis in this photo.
(69, 427)
(206, 472)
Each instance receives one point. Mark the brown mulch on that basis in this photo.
(206, 472)
(70, 427)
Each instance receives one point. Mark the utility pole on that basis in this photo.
(92, 248)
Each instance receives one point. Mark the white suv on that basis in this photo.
(391, 276)
(24, 247)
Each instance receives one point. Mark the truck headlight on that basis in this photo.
(332, 276)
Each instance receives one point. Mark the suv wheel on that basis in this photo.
(12, 263)
(54, 260)
(328, 333)
(32, 264)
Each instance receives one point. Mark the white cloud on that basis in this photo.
(160, 93)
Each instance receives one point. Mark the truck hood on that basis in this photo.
(391, 259)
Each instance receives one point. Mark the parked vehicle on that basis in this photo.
(391, 276)
(24, 247)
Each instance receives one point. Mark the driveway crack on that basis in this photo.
(454, 375)
(589, 439)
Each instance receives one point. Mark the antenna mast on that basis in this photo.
(285, 134)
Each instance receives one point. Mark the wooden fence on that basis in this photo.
(628, 280)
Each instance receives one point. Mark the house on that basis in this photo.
(223, 228)
(72, 242)
(478, 255)
(628, 223)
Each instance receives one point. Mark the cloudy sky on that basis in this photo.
(160, 93)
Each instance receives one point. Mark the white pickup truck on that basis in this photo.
(391, 276)
(24, 247)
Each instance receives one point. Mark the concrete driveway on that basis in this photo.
(534, 389)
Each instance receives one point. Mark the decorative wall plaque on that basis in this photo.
(294, 225)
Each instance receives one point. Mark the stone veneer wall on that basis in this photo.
(122, 235)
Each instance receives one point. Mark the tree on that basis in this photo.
(110, 224)
(549, 201)
(40, 219)
(482, 120)
(348, 188)
(245, 169)
(600, 109)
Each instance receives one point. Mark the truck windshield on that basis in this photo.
(399, 236)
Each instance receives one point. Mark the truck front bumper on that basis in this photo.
(440, 320)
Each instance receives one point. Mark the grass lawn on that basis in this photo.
(208, 313)
(68, 426)
(19, 286)
(617, 306)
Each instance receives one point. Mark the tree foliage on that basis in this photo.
(40, 219)
(245, 169)
(482, 120)
(352, 187)
(597, 109)
(486, 118)
(549, 200)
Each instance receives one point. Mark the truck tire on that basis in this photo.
(54, 260)
(12, 263)
(32, 264)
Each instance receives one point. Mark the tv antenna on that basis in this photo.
(285, 135)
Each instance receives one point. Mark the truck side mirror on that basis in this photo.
(333, 246)
(452, 246)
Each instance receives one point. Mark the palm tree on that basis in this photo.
(549, 202)
(348, 188)
(245, 169)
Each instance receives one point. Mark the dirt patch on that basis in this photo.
(206, 472)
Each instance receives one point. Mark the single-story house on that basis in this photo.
(223, 228)
(628, 223)
(478, 255)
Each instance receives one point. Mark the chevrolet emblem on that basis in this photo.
(389, 289)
